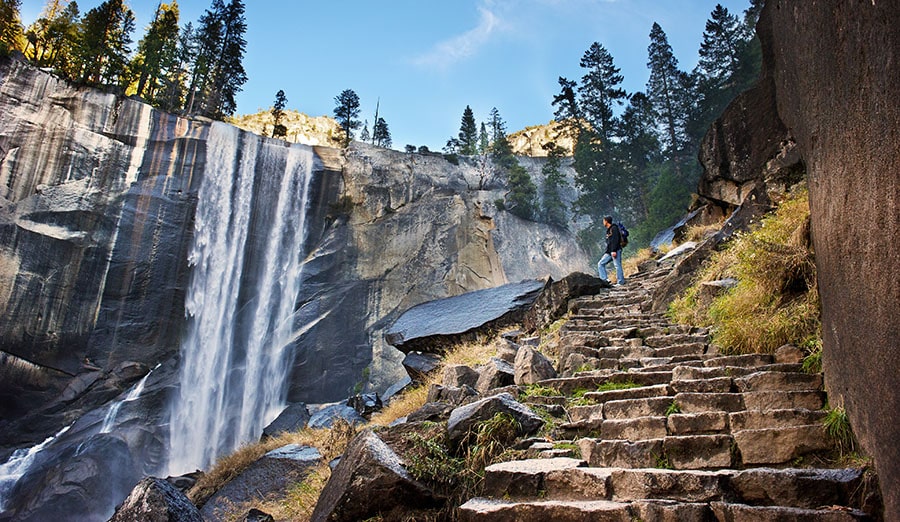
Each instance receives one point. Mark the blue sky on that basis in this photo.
(426, 60)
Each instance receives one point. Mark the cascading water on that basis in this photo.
(19, 462)
(247, 261)
(109, 421)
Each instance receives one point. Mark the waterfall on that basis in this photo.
(19, 462)
(246, 263)
(109, 421)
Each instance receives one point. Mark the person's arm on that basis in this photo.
(615, 240)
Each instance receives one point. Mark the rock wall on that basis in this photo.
(836, 67)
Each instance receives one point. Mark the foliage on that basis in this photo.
(101, 50)
(610, 386)
(10, 26)
(278, 128)
(381, 135)
(157, 52)
(468, 133)
(553, 209)
(837, 426)
(673, 408)
(775, 301)
(346, 110)
(536, 390)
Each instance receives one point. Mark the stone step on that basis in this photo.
(725, 512)
(784, 400)
(489, 510)
(670, 366)
(714, 370)
(711, 385)
(666, 340)
(641, 392)
(567, 385)
(674, 350)
(640, 428)
(758, 419)
(771, 446)
(741, 361)
(779, 381)
(631, 408)
(703, 402)
(570, 479)
(706, 423)
(678, 452)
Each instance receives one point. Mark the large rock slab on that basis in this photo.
(293, 418)
(370, 479)
(465, 418)
(432, 326)
(156, 500)
(270, 474)
(553, 302)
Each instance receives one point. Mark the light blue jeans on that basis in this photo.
(607, 259)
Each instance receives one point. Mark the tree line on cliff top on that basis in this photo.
(634, 154)
(192, 69)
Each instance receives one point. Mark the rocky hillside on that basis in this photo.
(530, 141)
(309, 130)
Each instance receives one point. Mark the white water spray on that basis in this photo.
(19, 462)
(109, 421)
(235, 355)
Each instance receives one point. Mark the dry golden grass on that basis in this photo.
(775, 301)
(630, 265)
(298, 502)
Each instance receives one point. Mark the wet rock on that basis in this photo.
(430, 326)
(293, 418)
(156, 500)
(370, 479)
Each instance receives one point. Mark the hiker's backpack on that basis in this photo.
(623, 235)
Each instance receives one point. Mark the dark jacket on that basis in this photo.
(613, 239)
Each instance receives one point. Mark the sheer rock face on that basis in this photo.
(836, 67)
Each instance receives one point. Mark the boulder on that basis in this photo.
(464, 418)
(497, 373)
(272, 473)
(365, 403)
(418, 365)
(293, 418)
(789, 354)
(553, 302)
(451, 394)
(325, 417)
(532, 366)
(507, 351)
(156, 500)
(458, 375)
(432, 326)
(370, 479)
(431, 411)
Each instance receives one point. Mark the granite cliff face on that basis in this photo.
(826, 108)
(97, 225)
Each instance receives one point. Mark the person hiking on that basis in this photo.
(613, 252)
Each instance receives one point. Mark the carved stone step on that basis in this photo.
(640, 428)
(706, 423)
(662, 341)
(784, 400)
(757, 419)
(702, 402)
(567, 385)
(642, 392)
(780, 445)
(630, 408)
(712, 385)
(698, 451)
(696, 348)
(486, 510)
(742, 513)
(742, 361)
(779, 381)
(622, 454)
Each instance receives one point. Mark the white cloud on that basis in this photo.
(458, 48)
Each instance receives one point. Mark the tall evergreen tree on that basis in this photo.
(278, 128)
(364, 135)
(346, 110)
(484, 141)
(568, 113)
(157, 52)
(669, 91)
(207, 45)
(381, 135)
(10, 25)
(522, 191)
(553, 209)
(600, 90)
(468, 133)
(716, 71)
(228, 75)
(51, 37)
(103, 43)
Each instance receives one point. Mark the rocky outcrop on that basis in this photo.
(835, 71)
(155, 500)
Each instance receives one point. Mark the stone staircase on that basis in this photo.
(675, 431)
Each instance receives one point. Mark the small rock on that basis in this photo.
(464, 418)
(365, 403)
(325, 417)
(255, 515)
(497, 373)
(457, 375)
(293, 418)
(788, 354)
(431, 411)
(532, 366)
(419, 365)
(450, 394)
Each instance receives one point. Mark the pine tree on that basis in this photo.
(206, 45)
(599, 91)
(104, 37)
(10, 25)
(228, 74)
(468, 133)
(157, 52)
(51, 37)
(553, 209)
(522, 192)
(669, 91)
(346, 110)
(484, 141)
(364, 135)
(278, 128)
(381, 135)
(174, 84)
(640, 154)
(568, 112)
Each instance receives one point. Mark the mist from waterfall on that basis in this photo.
(246, 261)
